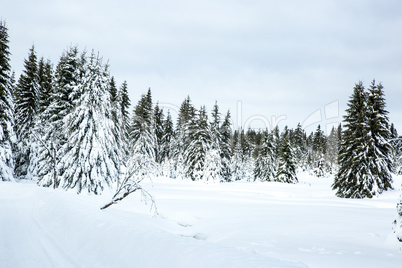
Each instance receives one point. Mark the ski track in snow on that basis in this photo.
(199, 225)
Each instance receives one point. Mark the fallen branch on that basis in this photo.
(131, 184)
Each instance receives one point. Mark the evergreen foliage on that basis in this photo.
(91, 157)
(201, 141)
(184, 131)
(6, 108)
(286, 171)
(45, 80)
(242, 163)
(298, 140)
(225, 148)
(319, 152)
(332, 149)
(380, 150)
(142, 129)
(26, 107)
(167, 147)
(114, 100)
(364, 155)
(264, 169)
(143, 138)
(123, 104)
(159, 132)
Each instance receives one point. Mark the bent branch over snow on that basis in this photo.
(131, 184)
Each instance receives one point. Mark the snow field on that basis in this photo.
(199, 225)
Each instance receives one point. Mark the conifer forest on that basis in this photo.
(70, 125)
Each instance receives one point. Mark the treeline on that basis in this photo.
(70, 126)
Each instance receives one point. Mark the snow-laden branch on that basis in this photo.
(137, 172)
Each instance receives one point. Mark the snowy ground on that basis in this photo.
(199, 225)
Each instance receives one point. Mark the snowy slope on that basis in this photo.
(199, 225)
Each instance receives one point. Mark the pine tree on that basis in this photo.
(264, 169)
(380, 150)
(195, 154)
(6, 107)
(364, 154)
(184, 130)
(331, 156)
(286, 171)
(45, 157)
(142, 137)
(298, 141)
(318, 152)
(241, 165)
(352, 171)
(45, 81)
(159, 132)
(212, 166)
(276, 141)
(26, 107)
(50, 132)
(68, 80)
(167, 148)
(91, 157)
(69, 75)
(113, 100)
(124, 104)
(225, 144)
(215, 124)
(213, 161)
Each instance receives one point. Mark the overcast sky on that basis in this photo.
(267, 61)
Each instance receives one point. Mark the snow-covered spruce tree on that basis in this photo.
(248, 145)
(6, 107)
(286, 171)
(44, 159)
(380, 150)
(331, 155)
(184, 129)
(361, 159)
(237, 156)
(318, 153)
(68, 78)
(45, 81)
(242, 164)
(114, 101)
(226, 136)
(159, 132)
(298, 141)
(196, 151)
(50, 133)
(212, 166)
(276, 143)
(264, 168)
(213, 160)
(352, 175)
(26, 107)
(124, 119)
(143, 138)
(167, 148)
(91, 158)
